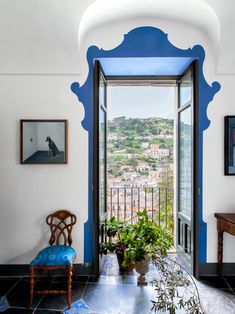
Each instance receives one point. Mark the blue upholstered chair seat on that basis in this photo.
(56, 255)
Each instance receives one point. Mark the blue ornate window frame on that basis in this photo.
(145, 42)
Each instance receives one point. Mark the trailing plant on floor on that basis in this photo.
(175, 289)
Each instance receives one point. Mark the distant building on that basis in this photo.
(112, 137)
(126, 168)
(157, 153)
(114, 182)
(130, 175)
(142, 167)
(145, 145)
(154, 174)
(154, 147)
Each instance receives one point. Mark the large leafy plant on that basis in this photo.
(147, 240)
(138, 241)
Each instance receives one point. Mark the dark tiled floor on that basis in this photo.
(112, 293)
(7, 284)
(59, 302)
(18, 310)
(216, 295)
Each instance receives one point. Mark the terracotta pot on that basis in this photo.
(120, 258)
(142, 268)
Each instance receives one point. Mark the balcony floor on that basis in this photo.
(112, 293)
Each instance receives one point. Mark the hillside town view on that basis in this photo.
(141, 167)
(140, 152)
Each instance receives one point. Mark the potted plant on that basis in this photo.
(146, 241)
(118, 238)
(135, 245)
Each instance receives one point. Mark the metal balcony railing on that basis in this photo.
(124, 203)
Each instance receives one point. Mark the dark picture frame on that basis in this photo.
(229, 145)
(43, 141)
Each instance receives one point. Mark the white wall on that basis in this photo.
(28, 193)
(38, 62)
(218, 189)
(30, 139)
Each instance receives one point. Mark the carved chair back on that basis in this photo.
(61, 224)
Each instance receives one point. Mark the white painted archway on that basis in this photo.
(186, 21)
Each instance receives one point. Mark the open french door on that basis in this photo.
(187, 185)
(100, 164)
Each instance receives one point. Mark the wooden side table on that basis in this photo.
(225, 223)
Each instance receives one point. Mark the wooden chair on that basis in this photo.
(56, 256)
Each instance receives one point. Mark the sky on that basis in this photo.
(140, 101)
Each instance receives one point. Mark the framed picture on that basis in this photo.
(43, 142)
(229, 145)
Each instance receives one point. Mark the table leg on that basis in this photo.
(220, 251)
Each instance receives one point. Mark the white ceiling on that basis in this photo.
(40, 36)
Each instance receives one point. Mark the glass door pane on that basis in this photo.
(102, 162)
(185, 90)
(186, 171)
(185, 162)
(99, 165)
